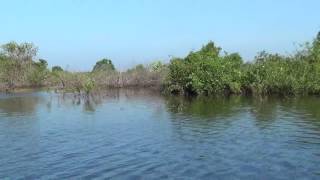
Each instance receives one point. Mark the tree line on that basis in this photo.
(207, 71)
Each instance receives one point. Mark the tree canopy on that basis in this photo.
(104, 65)
(21, 52)
(56, 69)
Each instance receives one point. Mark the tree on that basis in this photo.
(57, 69)
(42, 63)
(38, 72)
(23, 52)
(207, 53)
(157, 66)
(315, 50)
(103, 65)
(59, 76)
(210, 50)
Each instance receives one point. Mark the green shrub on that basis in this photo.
(38, 73)
(207, 72)
(104, 65)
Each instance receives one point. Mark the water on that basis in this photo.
(138, 134)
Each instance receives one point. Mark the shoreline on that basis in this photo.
(101, 90)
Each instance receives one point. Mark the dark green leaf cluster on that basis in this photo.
(206, 72)
(103, 65)
(56, 69)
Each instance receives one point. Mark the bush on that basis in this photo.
(104, 65)
(203, 72)
(207, 72)
(38, 73)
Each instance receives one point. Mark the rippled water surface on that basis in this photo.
(137, 134)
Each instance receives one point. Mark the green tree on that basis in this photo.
(39, 73)
(23, 52)
(103, 65)
(315, 49)
(206, 72)
(56, 69)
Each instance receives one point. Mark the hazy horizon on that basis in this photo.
(76, 34)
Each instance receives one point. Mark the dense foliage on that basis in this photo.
(104, 65)
(17, 67)
(210, 73)
(204, 72)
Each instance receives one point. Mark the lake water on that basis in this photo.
(139, 134)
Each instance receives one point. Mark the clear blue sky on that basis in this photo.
(77, 33)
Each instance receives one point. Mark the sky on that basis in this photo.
(76, 33)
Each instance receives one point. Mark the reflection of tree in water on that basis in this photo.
(306, 108)
(199, 119)
(205, 107)
(91, 102)
(202, 119)
(264, 110)
(23, 104)
(309, 105)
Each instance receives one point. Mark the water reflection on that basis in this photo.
(205, 107)
(265, 111)
(21, 104)
(128, 134)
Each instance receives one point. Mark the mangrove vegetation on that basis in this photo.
(208, 71)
